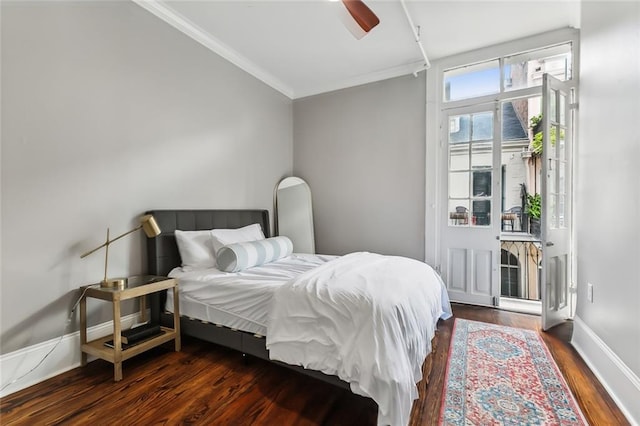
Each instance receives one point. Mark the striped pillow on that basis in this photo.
(238, 256)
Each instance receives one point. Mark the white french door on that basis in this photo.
(485, 181)
(556, 181)
(470, 229)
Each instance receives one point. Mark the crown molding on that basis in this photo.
(182, 24)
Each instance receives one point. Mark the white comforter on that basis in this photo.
(367, 318)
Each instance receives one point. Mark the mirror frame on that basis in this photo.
(286, 182)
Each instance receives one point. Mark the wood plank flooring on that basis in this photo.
(210, 385)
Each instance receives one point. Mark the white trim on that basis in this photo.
(432, 177)
(184, 25)
(412, 68)
(173, 18)
(64, 358)
(524, 306)
(618, 379)
(533, 42)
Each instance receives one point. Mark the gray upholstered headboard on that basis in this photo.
(162, 251)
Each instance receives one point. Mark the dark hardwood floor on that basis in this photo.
(207, 384)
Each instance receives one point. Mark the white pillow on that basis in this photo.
(196, 249)
(224, 237)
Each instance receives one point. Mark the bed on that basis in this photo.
(259, 312)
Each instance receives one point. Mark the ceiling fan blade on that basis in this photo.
(361, 13)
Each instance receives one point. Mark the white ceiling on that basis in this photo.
(302, 47)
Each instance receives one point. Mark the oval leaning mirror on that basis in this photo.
(294, 213)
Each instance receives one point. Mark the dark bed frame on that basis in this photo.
(163, 256)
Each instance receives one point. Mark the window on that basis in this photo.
(502, 86)
(509, 275)
(472, 81)
(481, 188)
(517, 115)
(470, 168)
(526, 69)
(521, 70)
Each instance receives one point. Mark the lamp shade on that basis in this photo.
(150, 226)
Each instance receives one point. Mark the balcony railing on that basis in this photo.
(521, 259)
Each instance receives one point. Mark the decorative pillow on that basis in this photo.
(239, 256)
(196, 249)
(224, 237)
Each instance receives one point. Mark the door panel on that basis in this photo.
(482, 272)
(556, 196)
(457, 271)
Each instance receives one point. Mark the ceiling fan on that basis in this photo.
(360, 19)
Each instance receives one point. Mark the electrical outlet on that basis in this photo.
(590, 292)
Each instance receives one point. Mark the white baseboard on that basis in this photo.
(618, 379)
(64, 358)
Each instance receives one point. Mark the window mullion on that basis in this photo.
(501, 65)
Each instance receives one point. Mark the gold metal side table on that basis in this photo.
(139, 286)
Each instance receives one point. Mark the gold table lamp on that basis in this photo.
(151, 229)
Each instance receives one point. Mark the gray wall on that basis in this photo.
(107, 112)
(608, 176)
(362, 152)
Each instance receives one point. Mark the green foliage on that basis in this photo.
(535, 120)
(534, 206)
(536, 143)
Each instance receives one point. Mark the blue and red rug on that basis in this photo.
(499, 375)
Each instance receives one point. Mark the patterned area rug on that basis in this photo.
(500, 375)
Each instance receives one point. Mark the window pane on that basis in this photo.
(561, 145)
(516, 118)
(482, 184)
(481, 155)
(563, 100)
(459, 129)
(482, 126)
(459, 185)
(459, 157)
(562, 189)
(551, 176)
(458, 212)
(561, 212)
(552, 106)
(472, 81)
(555, 131)
(481, 215)
(526, 69)
(510, 274)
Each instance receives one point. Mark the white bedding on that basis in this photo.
(367, 318)
(239, 300)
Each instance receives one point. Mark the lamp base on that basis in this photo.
(116, 283)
